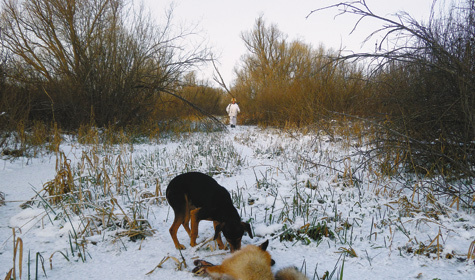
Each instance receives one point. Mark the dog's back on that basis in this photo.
(199, 189)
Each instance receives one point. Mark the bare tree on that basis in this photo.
(426, 80)
(444, 44)
(94, 58)
(283, 82)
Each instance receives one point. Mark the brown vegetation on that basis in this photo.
(203, 97)
(419, 91)
(87, 64)
(73, 62)
(424, 91)
(283, 82)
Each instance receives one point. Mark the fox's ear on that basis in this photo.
(264, 245)
(247, 228)
(218, 230)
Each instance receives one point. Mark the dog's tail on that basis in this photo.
(290, 273)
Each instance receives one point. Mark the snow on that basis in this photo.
(266, 171)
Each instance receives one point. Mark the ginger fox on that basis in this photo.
(250, 263)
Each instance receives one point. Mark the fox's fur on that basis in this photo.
(250, 263)
(290, 273)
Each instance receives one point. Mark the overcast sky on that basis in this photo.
(223, 21)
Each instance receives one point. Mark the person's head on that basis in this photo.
(233, 100)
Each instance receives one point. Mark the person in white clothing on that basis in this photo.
(233, 110)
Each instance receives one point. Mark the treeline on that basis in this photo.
(420, 91)
(71, 63)
(284, 82)
(425, 87)
(94, 61)
(201, 99)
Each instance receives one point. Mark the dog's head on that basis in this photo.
(233, 232)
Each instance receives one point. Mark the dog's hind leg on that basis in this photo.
(186, 221)
(179, 218)
(195, 221)
(186, 224)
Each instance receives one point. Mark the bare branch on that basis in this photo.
(220, 79)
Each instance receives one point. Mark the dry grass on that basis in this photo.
(63, 182)
(180, 265)
(2, 198)
(111, 189)
(471, 251)
(89, 190)
(17, 270)
(435, 247)
(30, 140)
(348, 251)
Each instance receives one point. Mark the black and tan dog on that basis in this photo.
(196, 196)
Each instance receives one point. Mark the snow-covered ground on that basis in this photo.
(283, 185)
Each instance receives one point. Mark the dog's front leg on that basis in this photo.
(218, 236)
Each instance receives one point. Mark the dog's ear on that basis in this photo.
(218, 230)
(247, 228)
(264, 245)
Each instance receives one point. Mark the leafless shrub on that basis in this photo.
(93, 59)
(290, 83)
(425, 82)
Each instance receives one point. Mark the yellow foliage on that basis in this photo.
(292, 83)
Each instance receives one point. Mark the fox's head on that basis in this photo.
(233, 233)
